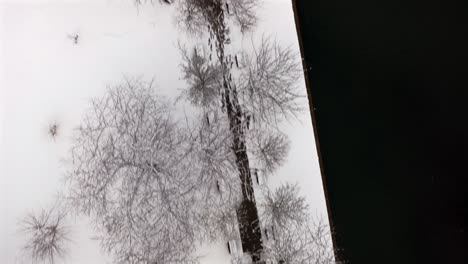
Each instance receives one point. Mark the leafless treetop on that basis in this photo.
(46, 234)
(131, 173)
(203, 78)
(308, 243)
(268, 85)
(283, 207)
(297, 237)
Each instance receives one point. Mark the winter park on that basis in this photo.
(152, 132)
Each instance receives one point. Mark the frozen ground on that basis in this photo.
(46, 78)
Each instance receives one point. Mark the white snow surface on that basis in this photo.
(46, 78)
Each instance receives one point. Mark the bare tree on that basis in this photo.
(53, 130)
(283, 208)
(270, 150)
(203, 78)
(268, 85)
(46, 234)
(133, 172)
(308, 243)
(295, 236)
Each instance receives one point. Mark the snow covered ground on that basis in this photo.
(45, 78)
